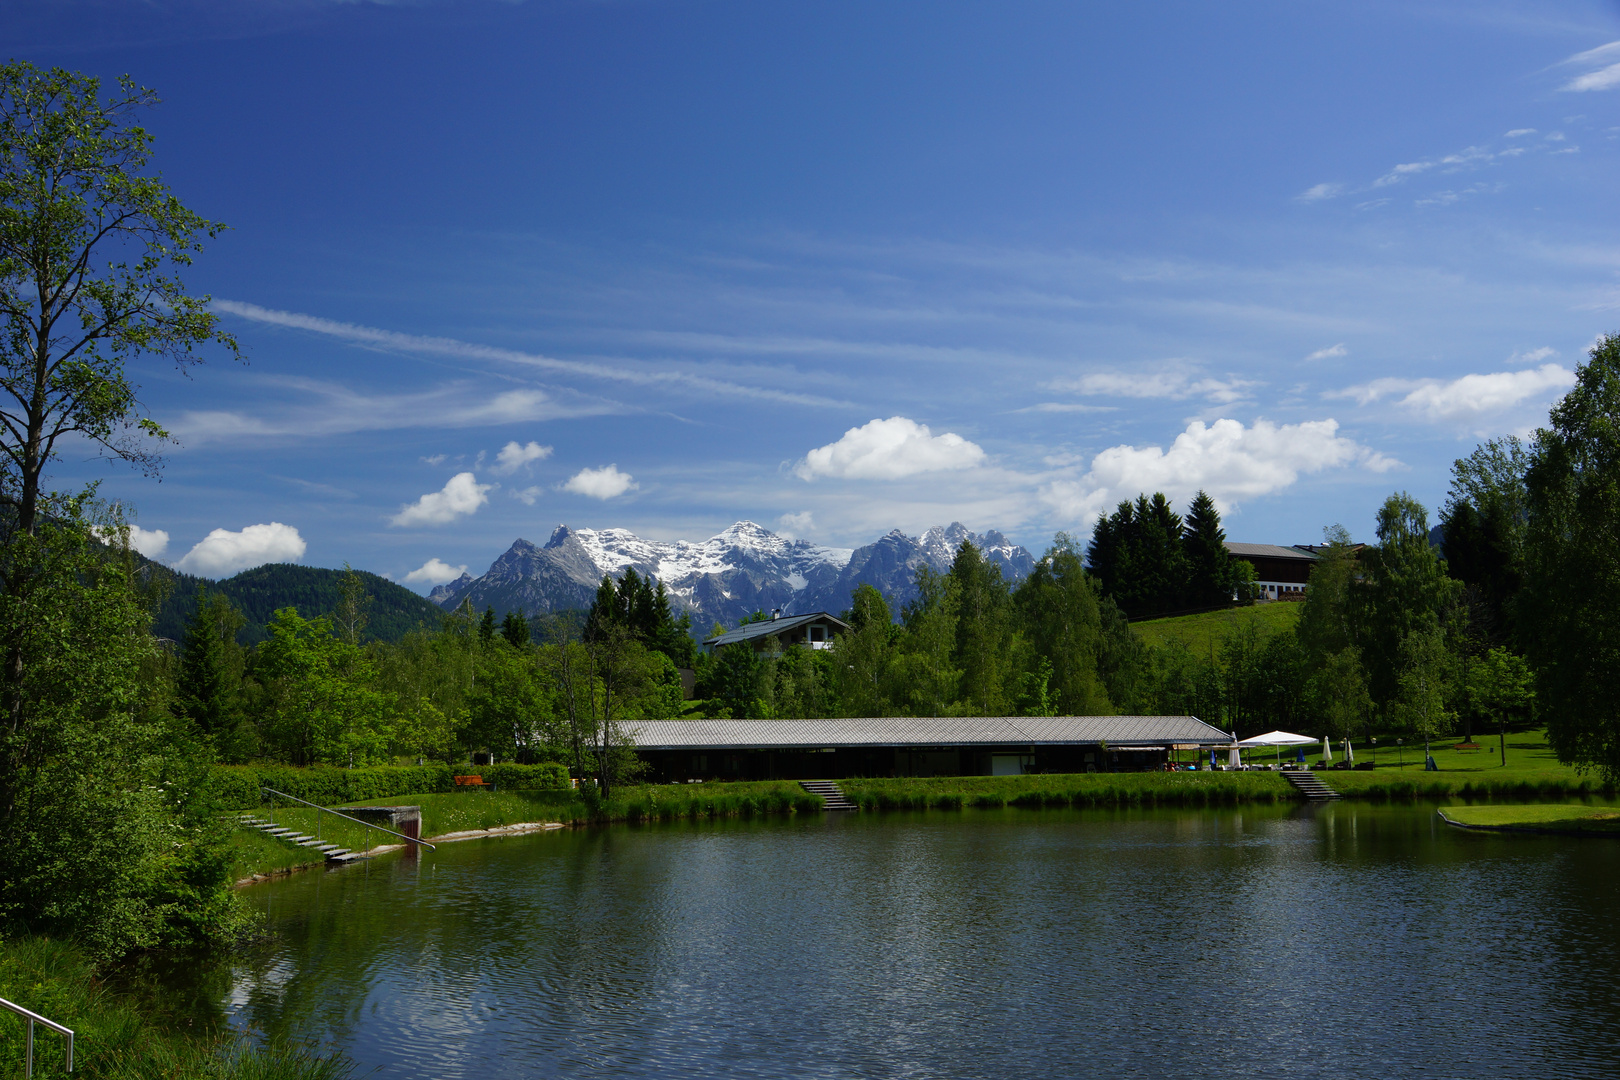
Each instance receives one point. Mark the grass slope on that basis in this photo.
(1204, 631)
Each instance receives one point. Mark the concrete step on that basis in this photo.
(832, 797)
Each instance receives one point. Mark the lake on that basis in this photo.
(1345, 940)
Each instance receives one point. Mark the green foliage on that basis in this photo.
(1484, 524)
(1059, 610)
(113, 1040)
(1572, 580)
(1138, 557)
(1210, 571)
(104, 813)
(1502, 688)
(91, 243)
(316, 697)
(208, 686)
(239, 785)
(1404, 590)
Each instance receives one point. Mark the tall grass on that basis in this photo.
(671, 802)
(112, 1041)
(1078, 789)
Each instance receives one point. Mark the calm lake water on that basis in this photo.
(1346, 940)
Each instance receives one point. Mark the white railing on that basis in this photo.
(32, 1018)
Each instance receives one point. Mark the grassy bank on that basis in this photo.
(1207, 630)
(112, 1040)
(1078, 789)
(1544, 818)
(469, 811)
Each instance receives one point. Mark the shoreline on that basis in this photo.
(517, 829)
(1538, 830)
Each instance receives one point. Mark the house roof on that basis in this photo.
(885, 731)
(771, 627)
(1269, 551)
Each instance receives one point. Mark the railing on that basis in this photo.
(32, 1017)
(346, 817)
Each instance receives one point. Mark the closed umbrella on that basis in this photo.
(1327, 751)
(1232, 758)
(1349, 751)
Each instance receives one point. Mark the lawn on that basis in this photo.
(1206, 631)
(1551, 817)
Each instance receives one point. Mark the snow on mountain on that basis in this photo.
(743, 569)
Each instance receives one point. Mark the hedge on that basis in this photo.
(237, 786)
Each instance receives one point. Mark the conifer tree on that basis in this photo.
(209, 684)
(1209, 568)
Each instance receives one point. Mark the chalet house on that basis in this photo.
(1281, 573)
(815, 631)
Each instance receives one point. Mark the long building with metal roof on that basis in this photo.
(913, 746)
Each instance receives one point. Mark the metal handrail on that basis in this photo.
(52, 1024)
(346, 817)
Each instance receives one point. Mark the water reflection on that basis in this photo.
(1348, 940)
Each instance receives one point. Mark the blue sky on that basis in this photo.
(844, 267)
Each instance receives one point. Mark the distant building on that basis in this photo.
(1281, 573)
(683, 750)
(815, 630)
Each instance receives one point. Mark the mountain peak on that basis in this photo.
(558, 535)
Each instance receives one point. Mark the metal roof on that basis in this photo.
(750, 631)
(886, 731)
(1270, 551)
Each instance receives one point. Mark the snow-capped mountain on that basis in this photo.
(725, 578)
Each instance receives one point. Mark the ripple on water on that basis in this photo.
(1350, 941)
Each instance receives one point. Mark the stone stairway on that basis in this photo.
(830, 793)
(333, 852)
(1309, 784)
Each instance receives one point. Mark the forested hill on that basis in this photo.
(257, 593)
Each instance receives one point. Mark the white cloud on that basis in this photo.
(434, 572)
(222, 553)
(1604, 77)
(391, 340)
(796, 524)
(1170, 383)
(1401, 172)
(889, 450)
(604, 483)
(527, 495)
(461, 494)
(1330, 353)
(1226, 459)
(149, 542)
(1519, 133)
(514, 456)
(1319, 192)
(436, 459)
(1470, 396)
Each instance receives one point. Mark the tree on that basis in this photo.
(1209, 568)
(1421, 684)
(1137, 555)
(90, 244)
(320, 703)
(208, 690)
(109, 837)
(1484, 525)
(515, 630)
(983, 632)
(486, 626)
(354, 606)
(1502, 688)
(1404, 590)
(1060, 615)
(1327, 618)
(1572, 577)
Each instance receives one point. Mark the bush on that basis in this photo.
(238, 785)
